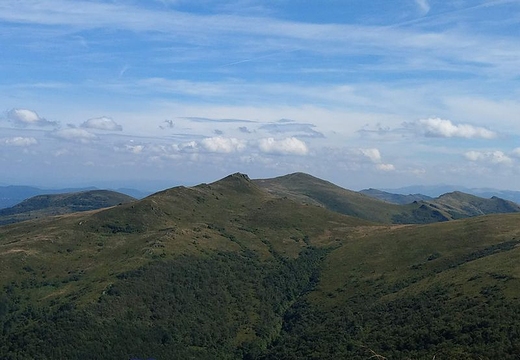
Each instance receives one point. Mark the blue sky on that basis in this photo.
(361, 93)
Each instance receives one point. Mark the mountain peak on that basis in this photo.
(236, 182)
(238, 176)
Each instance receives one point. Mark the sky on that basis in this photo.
(153, 94)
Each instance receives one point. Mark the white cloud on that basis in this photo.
(20, 141)
(74, 134)
(25, 117)
(135, 149)
(102, 123)
(373, 154)
(474, 155)
(287, 146)
(436, 127)
(493, 157)
(221, 144)
(385, 167)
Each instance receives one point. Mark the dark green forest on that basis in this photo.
(223, 305)
(236, 306)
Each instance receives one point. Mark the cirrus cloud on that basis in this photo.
(423, 5)
(287, 146)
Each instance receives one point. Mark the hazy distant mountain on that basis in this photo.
(13, 194)
(138, 194)
(437, 190)
(58, 204)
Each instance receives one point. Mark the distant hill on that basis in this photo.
(437, 190)
(460, 205)
(13, 194)
(59, 204)
(228, 270)
(308, 189)
(399, 199)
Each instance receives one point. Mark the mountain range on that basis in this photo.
(437, 190)
(286, 268)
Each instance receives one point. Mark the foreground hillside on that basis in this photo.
(305, 188)
(227, 270)
(59, 204)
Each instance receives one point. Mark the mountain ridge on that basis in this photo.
(308, 189)
(227, 270)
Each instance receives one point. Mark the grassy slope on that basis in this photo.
(230, 215)
(59, 204)
(308, 189)
(103, 263)
(460, 205)
(440, 290)
(401, 291)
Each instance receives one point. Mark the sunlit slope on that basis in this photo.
(308, 189)
(460, 205)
